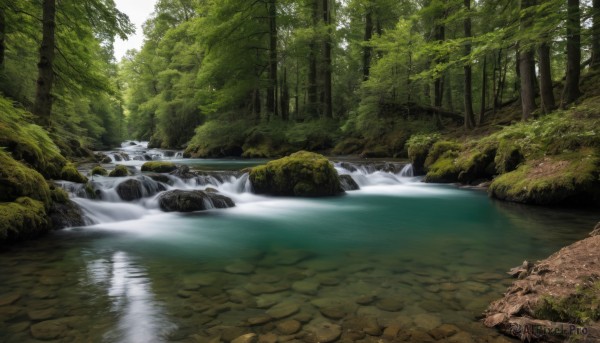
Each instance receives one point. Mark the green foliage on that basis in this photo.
(303, 174)
(70, 173)
(581, 307)
(23, 218)
(119, 171)
(159, 167)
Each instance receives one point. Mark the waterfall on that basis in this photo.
(377, 174)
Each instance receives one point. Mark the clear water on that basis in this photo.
(438, 251)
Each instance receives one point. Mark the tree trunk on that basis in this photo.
(468, 92)
(438, 85)
(272, 87)
(448, 90)
(595, 62)
(2, 35)
(483, 91)
(367, 50)
(43, 97)
(285, 97)
(526, 66)
(312, 107)
(571, 91)
(327, 68)
(545, 69)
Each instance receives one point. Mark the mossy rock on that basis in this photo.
(508, 156)
(119, 171)
(70, 173)
(58, 195)
(477, 163)
(24, 218)
(97, 170)
(418, 150)
(302, 174)
(444, 169)
(159, 167)
(438, 149)
(571, 179)
(18, 180)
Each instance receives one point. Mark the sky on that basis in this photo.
(138, 11)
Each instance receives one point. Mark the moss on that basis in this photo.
(508, 156)
(444, 169)
(300, 174)
(564, 179)
(418, 149)
(70, 173)
(119, 171)
(159, 167)
(375, 151)
(477, 163)
(581, 307)
(348, 146)
(27, 141)
(438, 149)
(58, 195)
(98, 170)
(23, 218)
(18, 180)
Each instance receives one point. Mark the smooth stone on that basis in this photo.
(267, 338)
(392, 331)
(194, 282)
(9, 298)
(365, 300)
(283, 310)
(329, 281)
(267, 300)
(427, 321)
(443, 331)
(240, 267)
(247, 338)
(327, 332)
(306, 287)
(289, 327)
(461, 337)
(47, 330)
(333, 312)
(10, 312)
(38, 315)
(390, 304)
(265, 288)
(19, 327)
(303, 317)
(42, 294)
(259, 320)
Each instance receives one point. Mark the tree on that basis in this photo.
(571, 91)
(272, 88)
(45, 81)
(526, 63)
(595, 59)
(468, 74)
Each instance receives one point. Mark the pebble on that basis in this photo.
(47, 330)
(259, 320)
(365, 300)
(267, 338)
(9, 298)
(390, 304)
(283, 310)
(327, 332)
(392, 331)
(427, 321)
(247, 338)
(240, 267)
(333, 312)
(39, 315)
(289, 327)
(265, 288)
(308, 287)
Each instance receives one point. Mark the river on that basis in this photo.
(398, 253)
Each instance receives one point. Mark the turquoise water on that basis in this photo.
(437, 254)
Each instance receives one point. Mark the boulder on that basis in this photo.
(97, 170)
(119, 171)
(348, 183)
(132, 189)
(302, 174)
(70, 173)
(159, 167)
(191, 201)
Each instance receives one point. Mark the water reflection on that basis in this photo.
(140, 318)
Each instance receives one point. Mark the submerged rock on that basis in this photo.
(302, 174)
(348, 183)
(191, 201)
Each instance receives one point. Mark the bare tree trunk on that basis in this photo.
(483, 91)
(297, 97)
(327, 68)
(468, 72)
(285, 97)
(526, 66)
(43, 98)
(448, 90)
(2, 35)
(272, 86)
(545, 68)
(571, 91)
(367, 50)
(438, 85)
(595, 62)
(313, 103)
